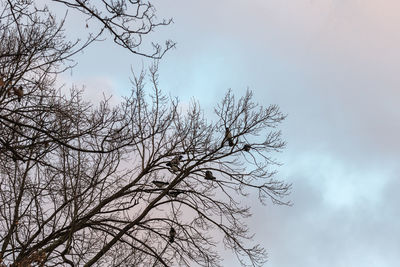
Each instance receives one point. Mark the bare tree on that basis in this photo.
(141, 183)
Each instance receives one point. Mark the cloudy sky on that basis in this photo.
(331, 65)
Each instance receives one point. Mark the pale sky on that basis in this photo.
(331, 65)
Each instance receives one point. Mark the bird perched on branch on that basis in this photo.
(246, 147)
(174, 168)
(172, 234)
(18, 92)
(228, 137)
(174, 163)
(209, 176)
(174, 193)
(160, 184)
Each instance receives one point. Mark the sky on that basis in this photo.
(331, 65)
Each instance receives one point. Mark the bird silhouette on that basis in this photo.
(160, 184)
(174, 193)
(246, 147)
(174, 163)
(174, 168)
(176, 160)
(18, 92)
(228, 137)
(172, 234)
(209, 176)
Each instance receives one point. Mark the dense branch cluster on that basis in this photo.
(127, 21)
(142, 183)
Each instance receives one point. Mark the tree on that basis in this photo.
(141, 183)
